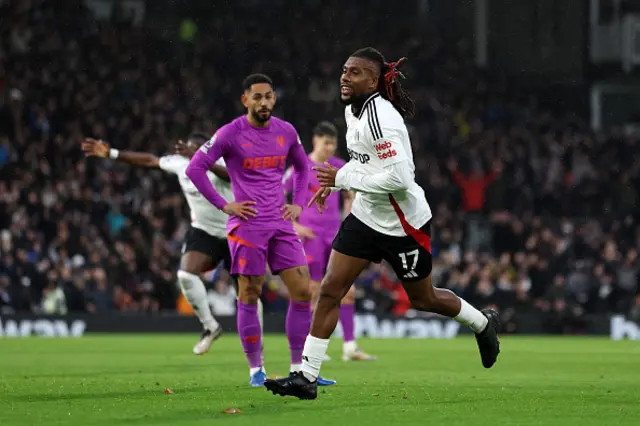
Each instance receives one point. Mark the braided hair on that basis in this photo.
(388, 83)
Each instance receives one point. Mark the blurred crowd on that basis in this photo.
(533, 212)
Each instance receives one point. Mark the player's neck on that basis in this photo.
(318, 158)
(358, 103)
(257, 124)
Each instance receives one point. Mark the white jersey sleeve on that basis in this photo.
(172, 163)
(381, 171)
(203, 215)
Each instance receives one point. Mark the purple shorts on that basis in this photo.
(252, 248)
(317, 252)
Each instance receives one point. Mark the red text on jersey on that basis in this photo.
(264, 162)
(387, 154)
(383, 146)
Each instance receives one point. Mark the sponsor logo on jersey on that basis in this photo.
(388, 154)
(383, 146)
(264, 162)
(362, 158)
(205, 148)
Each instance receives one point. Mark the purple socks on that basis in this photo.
(250, 333)
(298, 323)
(347, 316)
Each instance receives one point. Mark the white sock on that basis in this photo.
(295, 367)
(312, 356)
(261, 316)
(254, 370)
(471, 317)
(196, 294)
(349, 347)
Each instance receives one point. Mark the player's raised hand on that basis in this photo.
(95, 148)
(185, 150)
(304, 232)
(320, 198)
(326, 174)
(291, 211)
(243, 209)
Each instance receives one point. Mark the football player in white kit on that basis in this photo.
(390, 217)
(205, 244)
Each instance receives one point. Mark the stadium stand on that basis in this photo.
(533, 211)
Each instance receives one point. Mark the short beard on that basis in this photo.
(256, 116)
(356, 101)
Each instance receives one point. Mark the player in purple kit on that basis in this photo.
(255, 148)
(318, 229)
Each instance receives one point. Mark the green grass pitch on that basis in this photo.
(119, 380)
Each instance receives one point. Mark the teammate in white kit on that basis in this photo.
(389, 220)
(205, 244)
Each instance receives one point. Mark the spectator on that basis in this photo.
(552, 228)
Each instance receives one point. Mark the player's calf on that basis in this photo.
(485, 324)
(196, 294)
(350, 349)
(249, 328)
(299, 313)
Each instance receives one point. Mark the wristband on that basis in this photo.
(113, 153)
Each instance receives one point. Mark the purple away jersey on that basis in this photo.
(255, 159)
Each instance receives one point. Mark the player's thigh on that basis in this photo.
(342, 272)
(354, 247)
(248, 250)
(285, 250)
(201, 252)
(249, 288)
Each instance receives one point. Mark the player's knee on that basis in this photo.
(350, 297)
(331, 290)
(249, 291)
(195, 263)
(301, 293)
(315, 290)
(187, 280)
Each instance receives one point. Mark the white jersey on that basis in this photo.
(381, 170)
(204, 216)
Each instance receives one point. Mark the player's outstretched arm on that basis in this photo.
(99, 148)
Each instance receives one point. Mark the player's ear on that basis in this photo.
(374, 82)
(244, 99)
